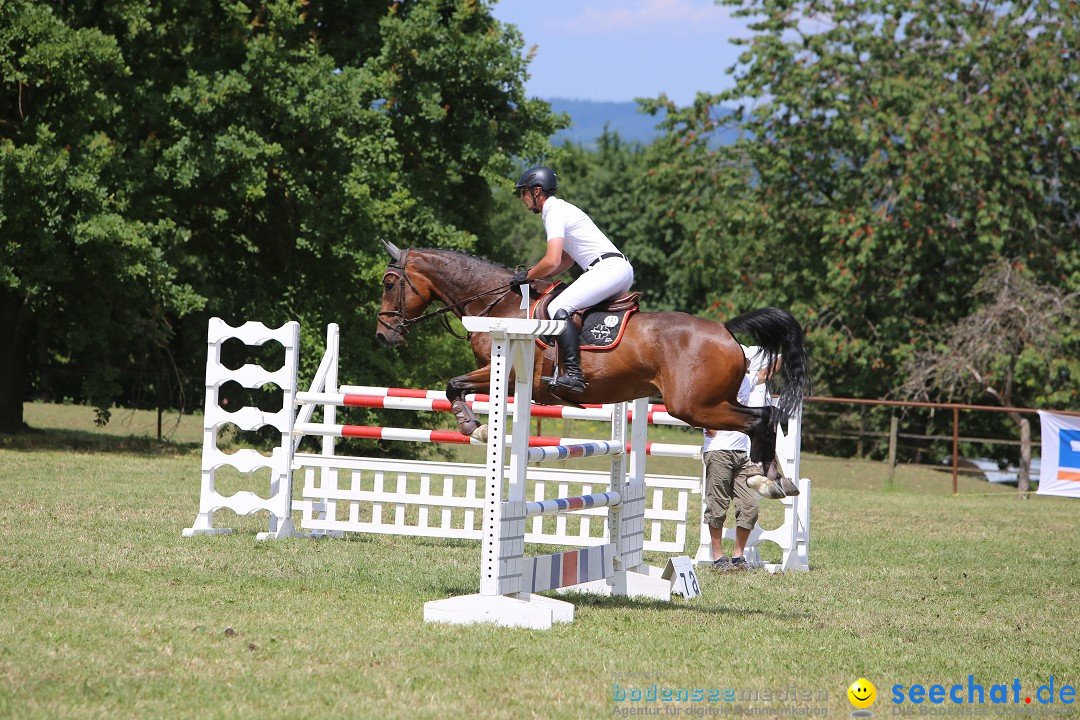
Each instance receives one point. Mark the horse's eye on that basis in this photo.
(388, 286)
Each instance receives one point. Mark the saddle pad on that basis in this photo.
(600, 329)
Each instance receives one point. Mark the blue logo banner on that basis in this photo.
(1069, 449)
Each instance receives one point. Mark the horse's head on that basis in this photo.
(405, 295)
(465, 285)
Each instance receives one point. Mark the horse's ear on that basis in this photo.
(391, 248)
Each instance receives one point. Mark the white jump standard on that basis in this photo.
(508, 579)
(279, 502)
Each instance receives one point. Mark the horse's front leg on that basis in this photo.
(476, 381)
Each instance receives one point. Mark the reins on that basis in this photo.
(397, 269)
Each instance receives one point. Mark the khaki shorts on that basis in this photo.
(726, 472)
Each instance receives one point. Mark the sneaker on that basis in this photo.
(722, 564)
(739, 563)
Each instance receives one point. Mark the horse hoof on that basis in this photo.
(765, 487)
(480, 433)
(773, 491)
(790, 489)
(466, 419)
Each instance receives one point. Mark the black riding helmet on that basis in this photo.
(541, 177)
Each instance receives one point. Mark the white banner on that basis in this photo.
(1060, 470)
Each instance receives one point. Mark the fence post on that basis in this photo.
(862, 429)
(955, 450)
(893, 426)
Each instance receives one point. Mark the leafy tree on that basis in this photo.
(76, 267)
(1012, 349)
(696, 190)
(263, 149)
(891, 151)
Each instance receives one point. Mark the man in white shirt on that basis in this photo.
(572, 237)
(726, 455)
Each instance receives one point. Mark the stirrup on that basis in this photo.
(567, 383)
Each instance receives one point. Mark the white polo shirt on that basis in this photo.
(582, 240)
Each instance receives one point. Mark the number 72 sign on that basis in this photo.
(680, 571)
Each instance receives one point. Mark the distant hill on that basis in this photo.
(589, 118)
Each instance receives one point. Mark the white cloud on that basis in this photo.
(686, 17)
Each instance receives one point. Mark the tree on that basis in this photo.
(75, 266)
(1014, 348)
(890, 152)
(269, 146)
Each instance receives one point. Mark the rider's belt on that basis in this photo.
(605, 256)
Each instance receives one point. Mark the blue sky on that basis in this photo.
(619, 50)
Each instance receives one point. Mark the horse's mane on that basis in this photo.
(464, 256)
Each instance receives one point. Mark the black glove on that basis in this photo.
(519, 278)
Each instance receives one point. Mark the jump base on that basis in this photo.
(534, 612)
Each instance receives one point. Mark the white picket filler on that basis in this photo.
(793, 536)
(279, 503)
(508, 580)
(432, 498)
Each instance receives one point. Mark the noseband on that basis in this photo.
(397, 269)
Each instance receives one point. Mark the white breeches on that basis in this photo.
(609, 278)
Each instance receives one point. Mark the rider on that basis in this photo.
(571, 237)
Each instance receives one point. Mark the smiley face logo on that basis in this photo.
(862, 693)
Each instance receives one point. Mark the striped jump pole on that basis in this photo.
(453, 437)
(371, 432)
(581, 502)
(435, 400)
(566, 452)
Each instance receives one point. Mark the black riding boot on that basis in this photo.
(571, 379)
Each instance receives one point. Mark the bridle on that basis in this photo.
(397, 270)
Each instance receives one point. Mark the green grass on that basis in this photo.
(106, 611)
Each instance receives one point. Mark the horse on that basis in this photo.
(694, 364)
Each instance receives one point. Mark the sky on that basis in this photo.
(616, 50)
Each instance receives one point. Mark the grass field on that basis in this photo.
(106, 611)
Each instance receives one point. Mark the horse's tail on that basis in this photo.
(777, 332)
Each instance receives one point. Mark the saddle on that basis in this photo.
(600, 327)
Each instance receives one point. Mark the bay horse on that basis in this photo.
(695, 364)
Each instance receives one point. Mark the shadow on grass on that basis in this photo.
(633, 603)
(34, 439)
(616, 602)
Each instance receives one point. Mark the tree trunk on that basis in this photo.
(15, 328)
(1023, 483)
(44, 390)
